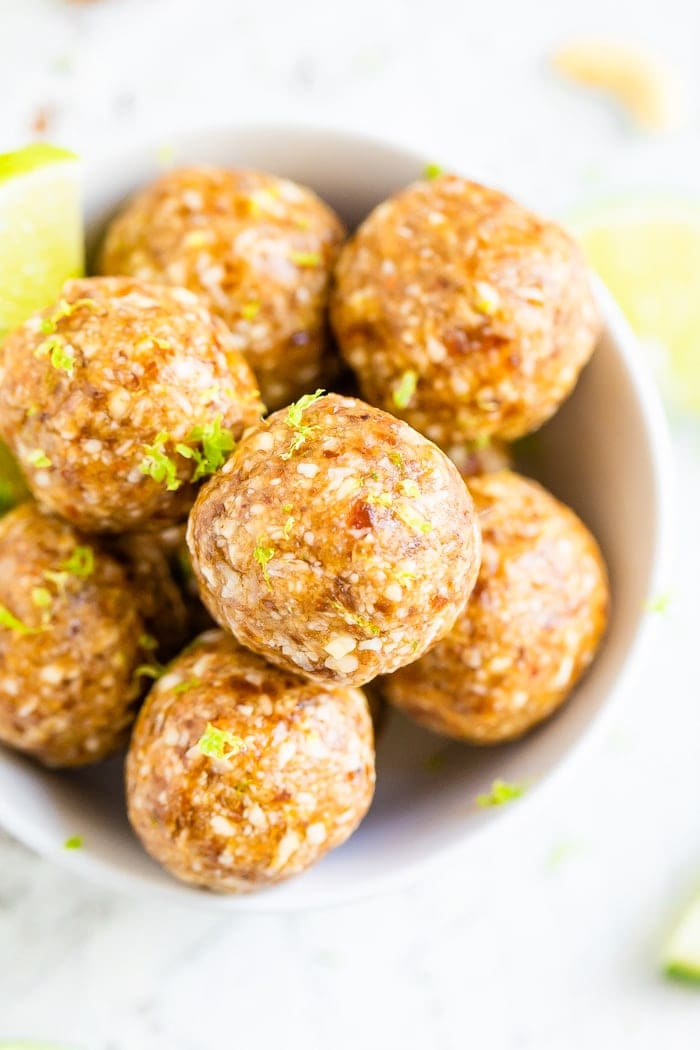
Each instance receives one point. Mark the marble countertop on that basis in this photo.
(542, 938)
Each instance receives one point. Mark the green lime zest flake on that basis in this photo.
(38, 458)
(65, 309)
(658, 604)
(220, 743)
(154, 671)
(189, 683)
(361, 621)
(294, 420)
(81, 562)
(249, 311)
(148, 642)
(305, 259)
(7, 619)
(487, 299)
(432, 171)
(478, 444)
(397, 459)
(413, 520)
(379, 499)
(73, 842)
(62, 357)
(41, 597)
(404, 390)
(410, 487)
(501, 792)
(216, 444)
(288, 526)
(263, 555)
(158, 465)
(58, 579)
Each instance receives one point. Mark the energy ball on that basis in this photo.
(70, 642)
(119, 396)
(530, 629)
(462, 312)
(240, 775)
(258, 250)
(336, 542)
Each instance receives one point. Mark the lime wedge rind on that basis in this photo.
(681, 956)
(41, 229)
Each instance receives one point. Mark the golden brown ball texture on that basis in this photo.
(337, 542)
(257, 249)
(462, 312)
(240, 775)
(530, 629)
(70, 642)
(113, 397)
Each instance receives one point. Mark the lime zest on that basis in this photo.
(81, 562)
(220, 743)
(154, 671)
(410, 488)
(413, 520)
(306, 259)
(158, 465)
(148, 642)
(64, 309)
(10, 621)
(294, 420)
(216, 444)
(361, 621)
(404, 390)
(432, 171)
(41, 597)
(250, 310)
(73, 842)
(288, 526)
(263, 555)
(500, 793)
(38, 458)
(184, 687)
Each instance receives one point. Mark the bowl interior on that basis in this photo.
(602, 454)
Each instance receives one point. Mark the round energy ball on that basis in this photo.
(462, 312)
(258, 250)
(101, 393)
(240, 775)
(336, 542)
(70, 642)
(530, 629)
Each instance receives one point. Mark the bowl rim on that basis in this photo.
(648, 399)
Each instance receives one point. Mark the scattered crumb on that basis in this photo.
(41, 120)
(500, 793)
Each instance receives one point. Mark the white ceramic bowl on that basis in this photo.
(604, 453)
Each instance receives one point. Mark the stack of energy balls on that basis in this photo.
(335, 542)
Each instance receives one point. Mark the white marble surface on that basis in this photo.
(543, 938)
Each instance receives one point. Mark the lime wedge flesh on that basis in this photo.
(647, 251)
(41, 229)
(682, 953)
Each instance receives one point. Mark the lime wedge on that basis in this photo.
(647, 251)
(681, 957)
(41, 229)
